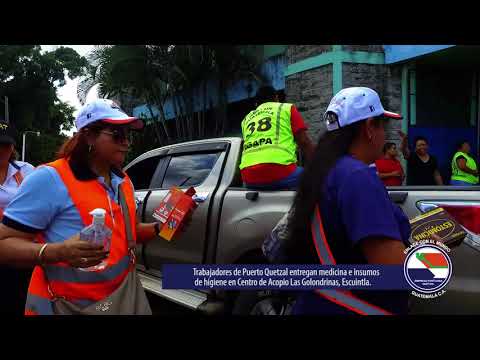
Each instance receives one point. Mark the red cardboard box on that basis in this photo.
(173, 210)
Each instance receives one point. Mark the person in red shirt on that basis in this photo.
(270, 176)
(389, 168)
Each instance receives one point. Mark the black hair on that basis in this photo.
(14, 156)
(330, 148)
(265, 94)
(420, 138)
(460, 144)
(388, 146)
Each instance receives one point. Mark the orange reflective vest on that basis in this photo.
(343, 298)
(81, 287)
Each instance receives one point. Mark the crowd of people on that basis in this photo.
(343, 202)
(273, 164)
(422, 167)
(342, 213)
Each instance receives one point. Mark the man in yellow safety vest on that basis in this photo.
(271, 134)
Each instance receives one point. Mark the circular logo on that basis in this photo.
(428, 268)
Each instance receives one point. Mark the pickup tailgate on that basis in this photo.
(463, 291)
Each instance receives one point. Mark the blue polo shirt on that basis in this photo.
(42, 203)
(356, 206)
(10, 186)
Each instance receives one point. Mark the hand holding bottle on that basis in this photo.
(97, 234)
(80, 253)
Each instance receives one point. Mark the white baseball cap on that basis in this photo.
(355, 104)
(107, 111)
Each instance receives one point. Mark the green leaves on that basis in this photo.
(28, 77)
(151, 74)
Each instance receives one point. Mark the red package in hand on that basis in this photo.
(173, 210)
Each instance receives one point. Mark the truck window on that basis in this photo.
(142, 172)
(189, 170)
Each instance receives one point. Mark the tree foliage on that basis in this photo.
(29, 78)
(152, 74)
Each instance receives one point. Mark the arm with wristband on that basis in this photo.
(31, 210)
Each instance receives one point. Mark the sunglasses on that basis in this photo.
(119, 135)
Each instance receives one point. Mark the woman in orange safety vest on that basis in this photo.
(41, 225)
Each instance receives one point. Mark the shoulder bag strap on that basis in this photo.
(126, 218)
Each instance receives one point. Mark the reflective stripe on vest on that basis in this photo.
(38, 305)
(267, 136)
(460, 175)
(343, 298)
(74, 275)
(347, 300)
(81, 287)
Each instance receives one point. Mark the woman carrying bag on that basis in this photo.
(42, 223)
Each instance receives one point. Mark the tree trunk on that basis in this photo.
(159, 137)
(199, 120)
(191, 114)
(177, 119)
(222, 107)
(183, 109)
(182, 120)
(204, 114)
(217, 110)
(162, 119)
(160, 101)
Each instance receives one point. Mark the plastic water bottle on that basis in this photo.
(99, 234)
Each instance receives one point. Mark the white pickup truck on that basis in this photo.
(232, 222)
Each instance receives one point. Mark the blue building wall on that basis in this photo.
(273, 71)
(396, 53)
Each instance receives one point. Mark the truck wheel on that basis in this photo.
(262, 303)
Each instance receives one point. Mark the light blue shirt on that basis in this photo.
(10, 186)
(43, 203)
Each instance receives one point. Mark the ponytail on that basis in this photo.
(330, 148)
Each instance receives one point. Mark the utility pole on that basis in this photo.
(7, 118)
(23, 141)
(5, 103)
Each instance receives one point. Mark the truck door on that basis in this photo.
(142, 171)
(197, 165)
